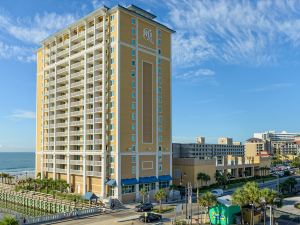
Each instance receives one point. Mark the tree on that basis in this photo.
(8, 220)
(267, 197)
(159, 196)
(207, 200)
(143, 193)
(203, 177)
(239, 199)
(221, 178)
(296, 162)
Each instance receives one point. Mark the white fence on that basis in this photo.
(60, 216)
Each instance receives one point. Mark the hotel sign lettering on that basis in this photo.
(147, 33)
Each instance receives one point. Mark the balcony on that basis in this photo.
(98, 120)
(77, 64)
(60, 116)
(62, 79)
(63, 106)
(77, 93)
(98, 131)
(78, 45)
(98, 25)
(98, 99)
(76, 162)
(98, 67)
(63, 52)
(99, 88)
(98, 56)
(77, 113)
(77, 84)
(77, 132)
(61, 124)
(63, 88)
(98, 109)
(77, 103)
(90, 29)
(90, 121)
(77, 74)
(61, 134)
(59, 170)
(49, 160)
(61, 142)
(98, 141)
(63, 70)
(62, 97)
(75, 171)
(76, 123)
(90, 90)
(89, 100)
(90, 40)
(81, 34)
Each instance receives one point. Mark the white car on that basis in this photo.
(217, 192)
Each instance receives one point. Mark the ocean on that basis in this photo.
(17, 163)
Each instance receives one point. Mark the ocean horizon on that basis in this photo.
(17, 162)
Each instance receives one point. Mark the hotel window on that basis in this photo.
(133, 63)
(160, 138)
(132, 73)
(112, 39)
(111, 93)
(159, 33)
(111, 104)
(133, 52)
(111, 72)
(133, 169)
(133, 127)
(111, 61)
(111, 126)
(133, 148)
(111, 170)
(111, 82)
(111, 29)
(133, 116)
(133, 84)
(111, 115)
(164, 184)
(133, 31)
(133, 137)
(110, 137)
(133, 42)
(112, 17)
(133, 159)
(159, 51)
(158, 42)
(111, 50)
(133, 94)
(126, 189)
(133, 106)
(132, 21)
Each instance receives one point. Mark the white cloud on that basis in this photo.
(272, 87)
(193, 74)
(20, 53)
(249, 32)
(22, 114)
(34, 30)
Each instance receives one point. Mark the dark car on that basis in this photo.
(150, 217)
(144, 207)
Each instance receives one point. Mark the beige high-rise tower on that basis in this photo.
(104, 104)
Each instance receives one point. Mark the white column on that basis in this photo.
(69, 109)
(104, 70)
(84, 114)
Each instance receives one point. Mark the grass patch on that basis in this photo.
(297, 205)
(164, 210)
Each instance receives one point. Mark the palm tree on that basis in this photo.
(220, 178)
(207, 200)
(8, 220)
(267, 198)
(202, 177)
(159, 196)
(143, 193)
(239, 199)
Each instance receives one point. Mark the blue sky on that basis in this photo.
(235, 64)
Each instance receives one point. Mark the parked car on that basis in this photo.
(144, 207)
(217, 192)
(150, 217)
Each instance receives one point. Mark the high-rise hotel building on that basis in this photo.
(104, 104)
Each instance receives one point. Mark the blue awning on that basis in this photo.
(111, 183)
(165, 178)
(146, 180)
(130, 181)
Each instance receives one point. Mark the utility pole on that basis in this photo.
(190, 193)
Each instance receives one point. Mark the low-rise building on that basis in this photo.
(187, 169)
(203, 150)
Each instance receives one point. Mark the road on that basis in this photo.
(129, 216)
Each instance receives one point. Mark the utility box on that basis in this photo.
(224, 213)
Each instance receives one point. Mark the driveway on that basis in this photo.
(288, 205)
